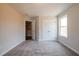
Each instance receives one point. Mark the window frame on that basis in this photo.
(60, 26)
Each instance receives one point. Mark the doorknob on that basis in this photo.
(48, 31)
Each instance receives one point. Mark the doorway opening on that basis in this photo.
(28, 30)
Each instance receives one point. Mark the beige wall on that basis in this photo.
(27, 18)
(37, 28)
(73, 29)
(11, 28)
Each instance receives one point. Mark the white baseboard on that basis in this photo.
(77, 52)
(10, 48)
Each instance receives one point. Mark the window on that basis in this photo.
(63, 26)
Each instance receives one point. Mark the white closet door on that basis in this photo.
(49, 29)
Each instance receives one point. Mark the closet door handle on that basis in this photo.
(49, 31)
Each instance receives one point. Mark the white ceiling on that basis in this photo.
(41, 9)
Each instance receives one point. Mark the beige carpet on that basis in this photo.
(42, 48)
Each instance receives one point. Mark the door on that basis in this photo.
(49, 29)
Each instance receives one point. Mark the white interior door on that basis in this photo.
(49, 29)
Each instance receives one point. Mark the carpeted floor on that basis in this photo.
(40, 48)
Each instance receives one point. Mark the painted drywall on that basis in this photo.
(11, 28)
(37, 28)
(72, 41)
(27, 18)
(47, 28)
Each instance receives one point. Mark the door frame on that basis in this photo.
(33, 31)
